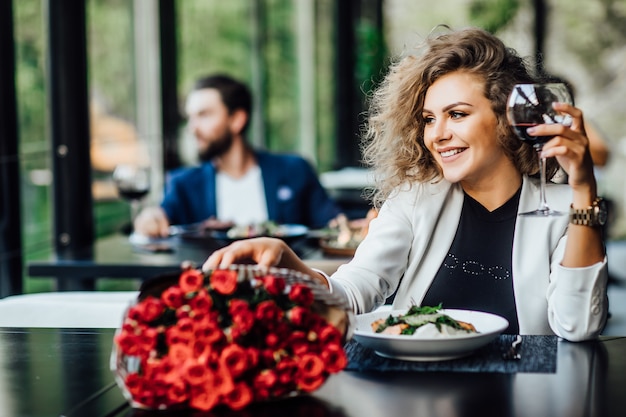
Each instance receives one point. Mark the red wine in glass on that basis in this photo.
(521, 131)
(531, 105)
(133, 184)
(132, 193)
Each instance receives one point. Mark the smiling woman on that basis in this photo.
(451, 179)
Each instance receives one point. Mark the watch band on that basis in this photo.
(594, 215)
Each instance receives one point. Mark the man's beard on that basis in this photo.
(216, 148)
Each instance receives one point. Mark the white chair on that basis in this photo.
(72, 309)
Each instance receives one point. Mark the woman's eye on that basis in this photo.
(456, 114)
(428, 119)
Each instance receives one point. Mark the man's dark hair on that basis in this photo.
(235, 94)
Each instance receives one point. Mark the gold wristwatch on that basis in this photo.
(595, 215)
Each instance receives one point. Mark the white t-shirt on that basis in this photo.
(241, 200)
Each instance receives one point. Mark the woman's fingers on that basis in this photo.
(570, 146)
(264, 251)
(577, 115)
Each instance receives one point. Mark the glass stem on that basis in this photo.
(135, 206)
(543, 204)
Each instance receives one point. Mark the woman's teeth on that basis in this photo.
(451, 152)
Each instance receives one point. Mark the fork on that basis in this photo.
(513, 353)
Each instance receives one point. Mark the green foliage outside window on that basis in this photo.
(213, 36)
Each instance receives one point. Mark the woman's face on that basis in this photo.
(460, 130)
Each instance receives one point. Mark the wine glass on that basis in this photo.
(133, 184)
(531, 105)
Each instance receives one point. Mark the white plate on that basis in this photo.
(286, 232)
(414, 348)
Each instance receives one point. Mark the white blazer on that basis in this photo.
(408, 241)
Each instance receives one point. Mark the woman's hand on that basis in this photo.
(570, 146)
(265, 252)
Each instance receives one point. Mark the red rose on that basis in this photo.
(203, 397)
(183, 311)
(236, 306)
(129, 325)
(299, 316)
(197, 373)
(286, 369)
(329, 334)
(180, 352)
(174, 335)
(234, 359)
(191, 280)
(272, 340)
(202, 301)
(134, 383)
(222, 381)
(126, 341)
(239, 397)
(274, 285)
(147, 310)
(177, 392)
(264, 383)
(199, 316)
(253, 356)
(298, 343)
(265, 379)
(209, 332)
(146, 340)
(311, 366)
(334, 358)
(268, 357)
(168, 368)
(282, 329)
(173, 297)
(224, 282)
(301, 295)
(140, 341)
(268, 312)
(243, 321)
(310, 384)
(185, 326)
(200, 348)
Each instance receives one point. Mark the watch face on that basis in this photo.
(601, 212)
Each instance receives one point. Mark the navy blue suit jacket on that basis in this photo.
(292, 189)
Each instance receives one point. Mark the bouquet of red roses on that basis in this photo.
(229, 337)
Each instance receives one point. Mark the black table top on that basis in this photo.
(52, 372)
(115, 257)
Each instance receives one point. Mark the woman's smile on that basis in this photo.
(447, 155)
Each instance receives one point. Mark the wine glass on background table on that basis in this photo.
(133, 184)
(531, 105)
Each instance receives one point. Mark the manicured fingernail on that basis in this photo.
(530, 130)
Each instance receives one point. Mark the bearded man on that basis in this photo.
(235, 183)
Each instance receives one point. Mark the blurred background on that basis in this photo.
(311, 64)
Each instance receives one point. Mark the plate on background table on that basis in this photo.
(287, 232)
(419, 348)
(143, 243)
(331, 247)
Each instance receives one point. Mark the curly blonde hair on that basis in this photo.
(393, 142)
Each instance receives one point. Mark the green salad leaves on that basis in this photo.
(418, 316)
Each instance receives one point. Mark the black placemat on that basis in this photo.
(538, 355)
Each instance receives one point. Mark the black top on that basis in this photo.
(477, 272)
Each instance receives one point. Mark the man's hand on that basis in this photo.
(152, 222)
